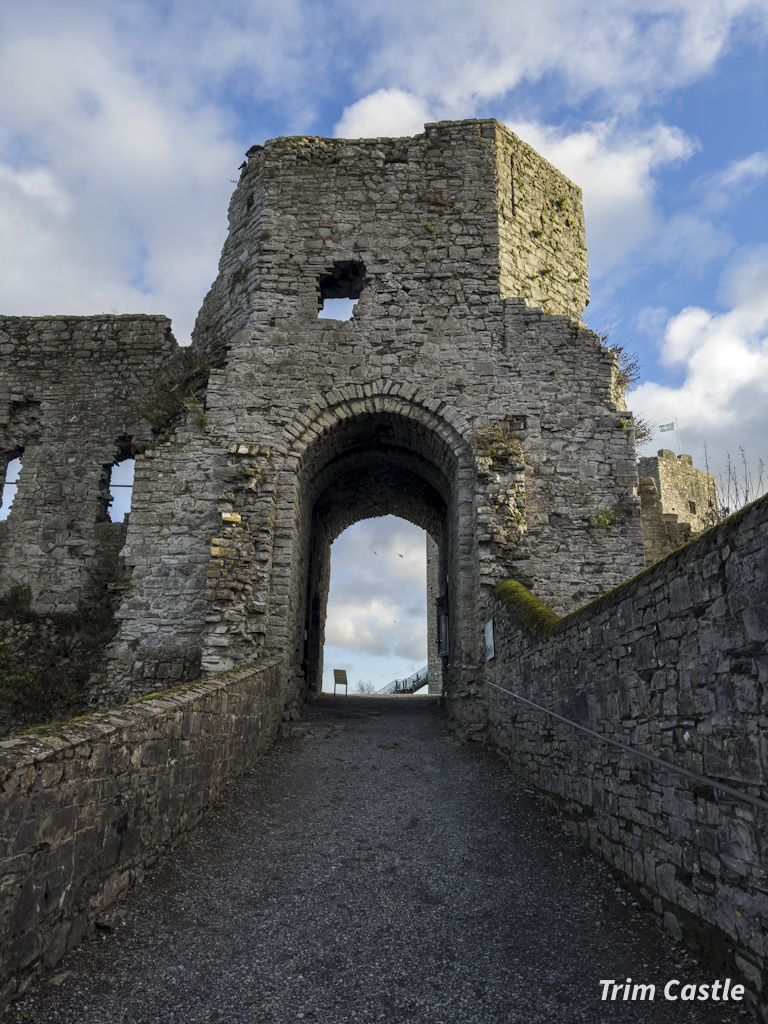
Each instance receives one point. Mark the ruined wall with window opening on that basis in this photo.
(70, 406)
(464, 394)
(449, 380)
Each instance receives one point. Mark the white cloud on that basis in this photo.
(117, 120)
(37, 190)
(386, 112)
(723, 398)
(113, 192)
(378, 589)
(625, 50)
(690, 241)
(739, 174)
(377, 669)
(720, 190)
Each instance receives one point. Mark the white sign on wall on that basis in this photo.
(489, 648)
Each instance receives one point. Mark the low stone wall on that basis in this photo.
(87, 805)
(673, 663)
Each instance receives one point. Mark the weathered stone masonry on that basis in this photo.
(674, 663)
(676, 501)
(71, 390)
(448, 398)
(464, 395)
(87, 806)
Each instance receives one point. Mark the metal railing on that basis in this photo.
(407, 685)
(717, 787)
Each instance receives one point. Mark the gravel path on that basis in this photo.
(374, 870)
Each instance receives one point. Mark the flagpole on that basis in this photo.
(679, 443)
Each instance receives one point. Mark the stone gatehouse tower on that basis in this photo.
(464, 395)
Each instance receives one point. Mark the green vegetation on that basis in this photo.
(535, 615)
(46, 661)
(182, 391)
(628, 379)
(500, 443)
(604, 517)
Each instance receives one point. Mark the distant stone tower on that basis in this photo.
(464, 395)
(677, 501)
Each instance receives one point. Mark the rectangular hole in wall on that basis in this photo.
(337, 309)
(339, 288)
(512, 185)
(121, 490)
(10, 486)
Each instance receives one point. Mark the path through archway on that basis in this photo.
(374, 457)
(376, 626)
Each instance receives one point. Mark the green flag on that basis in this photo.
(666, 426)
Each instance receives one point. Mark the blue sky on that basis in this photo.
(123, 123)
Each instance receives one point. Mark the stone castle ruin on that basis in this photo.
(465, 395)
(677, 501)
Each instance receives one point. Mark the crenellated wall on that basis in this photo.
(673, 663)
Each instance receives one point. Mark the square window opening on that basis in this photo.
(338, 290)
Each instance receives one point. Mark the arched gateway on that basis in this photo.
(464, 394)
(378, 455)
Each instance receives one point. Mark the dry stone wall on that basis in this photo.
(673, 663)
(87, 806)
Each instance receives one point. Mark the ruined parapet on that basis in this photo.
(452, 396)
(662, 531)
(463, 394)
(582, 531)
(70, 407)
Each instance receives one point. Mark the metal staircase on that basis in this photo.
(408, 685)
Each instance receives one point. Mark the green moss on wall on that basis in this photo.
(537, 616)
(533, 613)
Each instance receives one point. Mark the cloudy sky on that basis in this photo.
(123, 123)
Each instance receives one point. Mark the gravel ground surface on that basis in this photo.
(373, 870)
